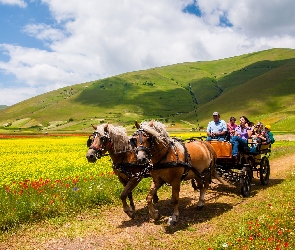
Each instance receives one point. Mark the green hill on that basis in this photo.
(259, 85)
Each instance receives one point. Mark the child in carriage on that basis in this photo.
(259, 136)
(270, 134)
(231, 126)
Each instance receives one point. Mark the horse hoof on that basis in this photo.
(155, 215)
(172, 220)
(131, 214)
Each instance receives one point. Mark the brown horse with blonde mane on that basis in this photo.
(173, 162)
(114, 140)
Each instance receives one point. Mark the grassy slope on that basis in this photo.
(268, 97)
(253, 85)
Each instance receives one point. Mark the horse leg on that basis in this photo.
(127, 192)
(175, 199)
(155, 198)
(131, 202)
(153, 191)
(202, 188)
(193, 182)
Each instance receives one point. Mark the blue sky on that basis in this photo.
(49, 44)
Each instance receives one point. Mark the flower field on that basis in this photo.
(48, 176)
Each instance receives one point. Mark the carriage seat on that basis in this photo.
(257, 148)
(223, 149)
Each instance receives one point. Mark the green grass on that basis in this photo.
(264, 223)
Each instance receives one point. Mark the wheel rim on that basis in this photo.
(264, 170)
(246, 184)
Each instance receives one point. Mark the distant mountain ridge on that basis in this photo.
(259, 85)
(3, 106)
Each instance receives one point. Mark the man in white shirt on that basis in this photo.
(217, 128)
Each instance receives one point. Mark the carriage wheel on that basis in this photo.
(246, 180)
(264, 171)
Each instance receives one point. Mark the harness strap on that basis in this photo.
(187, 160)
(212, 163)
(123, 168)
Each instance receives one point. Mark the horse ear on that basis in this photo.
(95, 127)
(151, 123)
(137, 124)
(106, 127)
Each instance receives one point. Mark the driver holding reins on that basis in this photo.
(217, 129)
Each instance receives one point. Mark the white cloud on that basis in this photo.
(13, 95)
(20, 3)
(43, 32)
(94, 39)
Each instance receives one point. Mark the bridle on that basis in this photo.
(153, 140)
(141, 133)
(104, 139)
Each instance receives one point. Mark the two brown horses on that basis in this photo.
(114, 140)
(173, 162)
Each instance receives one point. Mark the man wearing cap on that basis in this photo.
(270, 134)
(217, 128)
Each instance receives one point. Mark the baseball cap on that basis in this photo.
(215, 113)
(268, 127)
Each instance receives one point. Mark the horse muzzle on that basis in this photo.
(142, 155)
(93, 155)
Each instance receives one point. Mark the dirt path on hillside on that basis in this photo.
(287, 137)
(112, 229)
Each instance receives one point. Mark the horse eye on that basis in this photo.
(133, 141)
(89, 142)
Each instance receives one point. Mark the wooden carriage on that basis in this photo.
(249, 162)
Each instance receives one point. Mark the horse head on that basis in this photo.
(144, 140)
(97, 143)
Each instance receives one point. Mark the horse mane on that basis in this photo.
(159, 131)
(117, 135)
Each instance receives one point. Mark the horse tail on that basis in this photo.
(213, 156)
